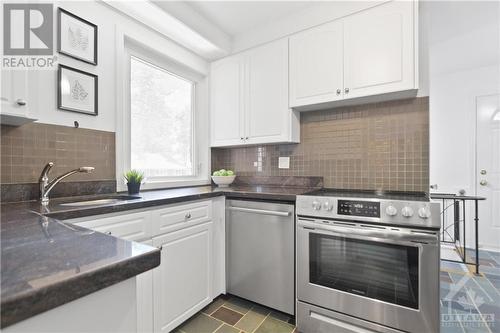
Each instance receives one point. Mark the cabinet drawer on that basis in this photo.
(180, 216)
(133, 226)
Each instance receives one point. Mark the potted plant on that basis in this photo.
(134, 179)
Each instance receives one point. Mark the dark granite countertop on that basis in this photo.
(47, 262)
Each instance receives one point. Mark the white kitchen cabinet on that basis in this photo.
(226, 104)
(317, 65)
(145, 293)
(15, 107)
(268, 118)
(179, 216)
(134, 226)
(379, 50)
(371, 54)
(249, 98)
(183, 281)
(192, 269)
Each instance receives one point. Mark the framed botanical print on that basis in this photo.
(76, 90)
(77, 38)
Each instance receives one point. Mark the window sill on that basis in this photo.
(157, 185)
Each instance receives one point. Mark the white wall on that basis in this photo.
(463, 63)
(43, 93)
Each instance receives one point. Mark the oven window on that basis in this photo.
(372, 269)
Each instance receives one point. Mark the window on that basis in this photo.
(162, 117)
(161, 131)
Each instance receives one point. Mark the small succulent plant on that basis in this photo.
(134, 176)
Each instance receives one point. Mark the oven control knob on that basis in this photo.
(316, 205)
(424, 212)
(327, 205)
(391, 211)
(407, 211)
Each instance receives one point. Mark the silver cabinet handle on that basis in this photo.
(21, 102)
(246, 138)
(346, 90)
(483, 182)
(187, 216)
(259, 211)
(483, 172)
(338, 91)
(108, 232)
(242, 138)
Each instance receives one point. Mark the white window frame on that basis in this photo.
(201, 156)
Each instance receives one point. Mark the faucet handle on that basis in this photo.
(46, 170)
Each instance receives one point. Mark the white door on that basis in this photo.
(488, 169)
(14, 91)
(267, 116)
(379, 50)
(183, 281)
(226, 107)
(316, 65)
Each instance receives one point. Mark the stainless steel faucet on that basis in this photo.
(46, 186)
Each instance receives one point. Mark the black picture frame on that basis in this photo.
(60, 105)
(61, 12)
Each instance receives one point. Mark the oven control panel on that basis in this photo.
(385, 211)
(358, 208)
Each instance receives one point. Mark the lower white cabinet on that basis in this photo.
(145, 299)
(183, 281)
(192, 269)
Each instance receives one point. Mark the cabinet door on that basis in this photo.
(14, 92)
(183, 281)
(316, 65)
(379, 50)
(267, 116)
(145, 299)
(226, 107)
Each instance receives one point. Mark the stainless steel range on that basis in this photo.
(367, 261)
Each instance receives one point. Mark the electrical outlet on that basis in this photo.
(284, 162)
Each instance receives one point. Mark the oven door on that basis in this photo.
(385, 275)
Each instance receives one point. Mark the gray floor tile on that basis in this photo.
(273, 325)
(201, 323)
(238, 304)
(250, 321)
(227, 329)
(209, 309)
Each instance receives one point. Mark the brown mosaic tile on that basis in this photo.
(25, 150)
(373, 146)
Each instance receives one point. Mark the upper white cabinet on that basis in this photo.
(317, 65)
(249, 98)
(226, 82)
(379, 50)
(15, 107)
(372, 52)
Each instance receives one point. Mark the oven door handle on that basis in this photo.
(390, 236)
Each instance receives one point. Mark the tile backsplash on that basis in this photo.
(372, 146)
(26, 149)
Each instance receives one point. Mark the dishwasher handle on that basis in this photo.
(259, 211)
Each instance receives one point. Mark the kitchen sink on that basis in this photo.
(100, 201)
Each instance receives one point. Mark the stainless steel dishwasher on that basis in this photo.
(260, 252)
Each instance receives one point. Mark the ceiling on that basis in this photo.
(236, 17)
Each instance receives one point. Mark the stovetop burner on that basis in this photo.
(370, 194)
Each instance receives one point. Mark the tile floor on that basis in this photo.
(469, 304)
